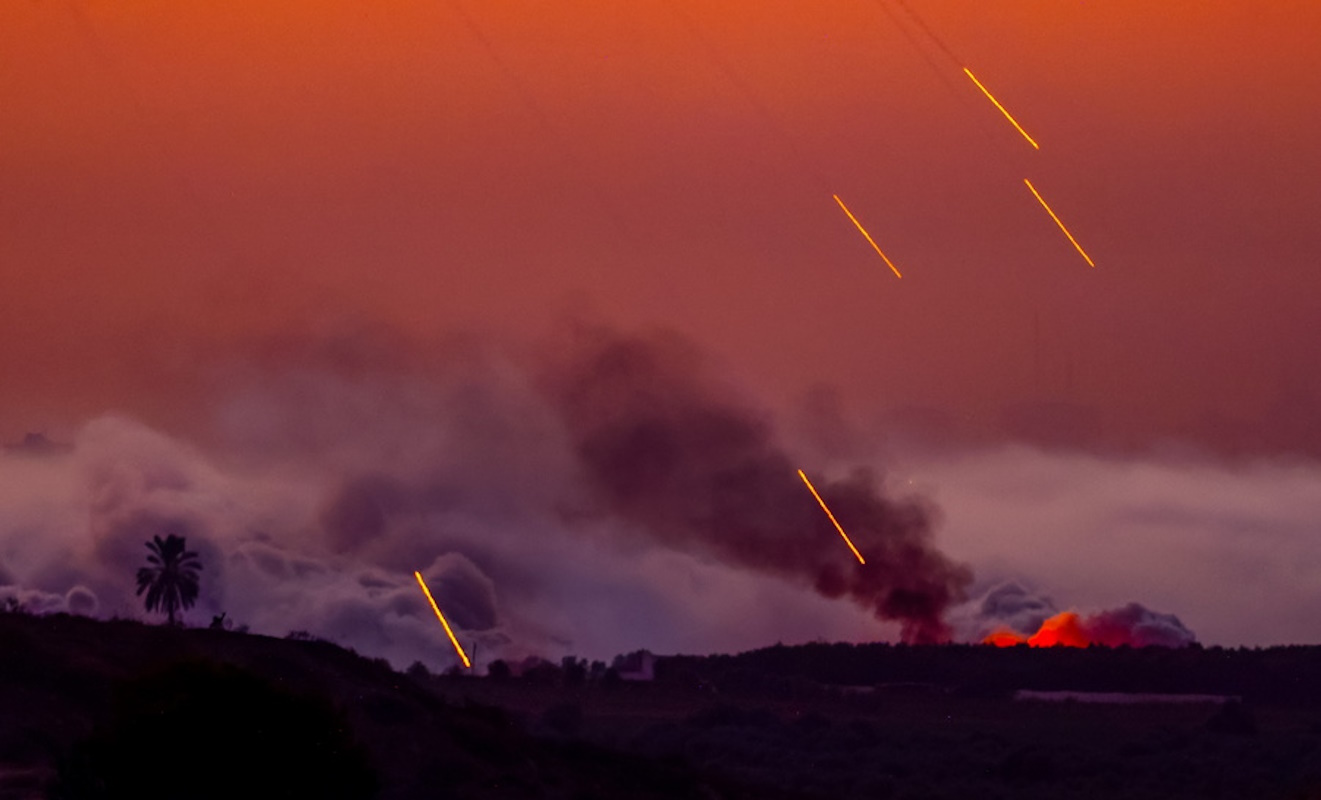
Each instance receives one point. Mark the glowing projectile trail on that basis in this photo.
(873, 244)
(1081, 252)
(458, 648)
(824, 508)
(1008, 116)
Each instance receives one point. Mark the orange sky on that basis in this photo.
(178, 181)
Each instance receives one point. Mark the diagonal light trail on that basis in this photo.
(875, 246)
(1003, 110)
(826, 509)
(1081, 252)
(458, 648)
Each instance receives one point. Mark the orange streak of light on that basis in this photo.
(1004, 111)
(824, 508)
(873, 242)
(458, 648)
(1086, 258)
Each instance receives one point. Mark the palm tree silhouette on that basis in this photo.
(171, 581)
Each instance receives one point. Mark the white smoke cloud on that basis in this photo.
(1008, 606)
(324, 486)
(321, 496)
(1232, 548)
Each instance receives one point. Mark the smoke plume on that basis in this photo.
(604, 498)
(608, 494)
(1004, 607)
(686, 465)
(1009, 613)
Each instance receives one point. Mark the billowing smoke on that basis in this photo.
(1004, 607)
(1170, 530)
(1131, 626)
(530, 497)
(685, 465)
(1009, 613)
(608, 495)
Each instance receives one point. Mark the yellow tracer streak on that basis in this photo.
(458, 648)
(868, 235)
(1008, 116)
(1061, 224)
(824, 508)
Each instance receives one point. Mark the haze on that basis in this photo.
(209, 215)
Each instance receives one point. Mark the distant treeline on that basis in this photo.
(1289, 675)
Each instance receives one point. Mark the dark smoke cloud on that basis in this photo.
(361, 510)
(1004, 606)
(1137, 626)
(606, 495)
(337, 468)
(464, 591)
(1170, 529)
(1011, 607)
(688, 466)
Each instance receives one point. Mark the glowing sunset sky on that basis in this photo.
(291, 278)
(178, 180)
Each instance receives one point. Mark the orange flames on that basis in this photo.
(1132, 625)
(1067, 629)
(1004, 638)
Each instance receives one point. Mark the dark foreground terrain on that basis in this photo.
(94, 709)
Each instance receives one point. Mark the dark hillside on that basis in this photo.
(117, 709)
(770, 718)
(125, 709)
(1289, 676)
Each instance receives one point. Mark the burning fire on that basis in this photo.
(1004, 638)
(1132, 625)
(1066, 629)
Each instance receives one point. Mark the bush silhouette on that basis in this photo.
(205, 731)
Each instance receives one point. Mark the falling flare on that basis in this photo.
(1008, 116)
(878, 252)
(824, 508)
(1081, 252)
(458, 648)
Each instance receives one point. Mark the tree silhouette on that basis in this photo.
(171, 581)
